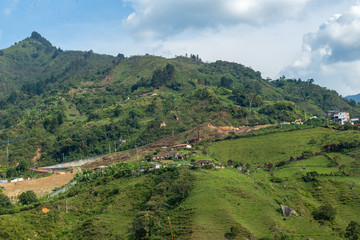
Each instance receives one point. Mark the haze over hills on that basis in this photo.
(356, 97)
(59, 106)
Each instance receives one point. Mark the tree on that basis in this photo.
(248, 97)
(10, 172)
(161, 77)
(13, 97)
(226, 82)
(120, 56)
(157, 78)
(353, 231)
(22, 166)
(310, 80)
(28, 197)
(4, 201)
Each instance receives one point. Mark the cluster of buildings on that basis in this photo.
(333, 115)
(341, 117)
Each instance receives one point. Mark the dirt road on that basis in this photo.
(40, 186)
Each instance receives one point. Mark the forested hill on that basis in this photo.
(71, 104)
(34, 66)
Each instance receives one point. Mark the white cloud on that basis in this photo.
(163, 18)
(10, 5)
(332, 54)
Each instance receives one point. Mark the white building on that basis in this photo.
(339, 117)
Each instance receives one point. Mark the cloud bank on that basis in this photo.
(332, 54)
(162, 18)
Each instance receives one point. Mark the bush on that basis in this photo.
(281, 163)
(353, 231)
(276, 180)
(311, 177)
(4, 201)
(28, 197)
(325, 212)
(306, 154)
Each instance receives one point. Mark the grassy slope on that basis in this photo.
(227, 197)
(220, 198)
(269, 148)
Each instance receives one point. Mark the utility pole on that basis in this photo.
(172, 236)
(109, 148)
(115, 146)
(7, 150)
(137, 155)
(66, 205)
(305, 115)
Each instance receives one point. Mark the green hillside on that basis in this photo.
(122, 202)
(67, 105)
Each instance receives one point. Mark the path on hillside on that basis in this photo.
(76, 163)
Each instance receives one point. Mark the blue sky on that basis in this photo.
(317, 39)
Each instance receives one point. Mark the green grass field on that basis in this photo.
(276, 147)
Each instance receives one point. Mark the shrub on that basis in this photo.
(311, 177)
(280, 164)
(208, 166)
(28, 197)
(4, 201)
(276, 180)
(325, 212)
(353, 231)
(306, 154)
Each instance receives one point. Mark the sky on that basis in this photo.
(318, 39)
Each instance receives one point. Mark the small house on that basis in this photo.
(164, 156)
(205, 162)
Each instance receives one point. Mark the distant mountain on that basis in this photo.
(354, 97)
